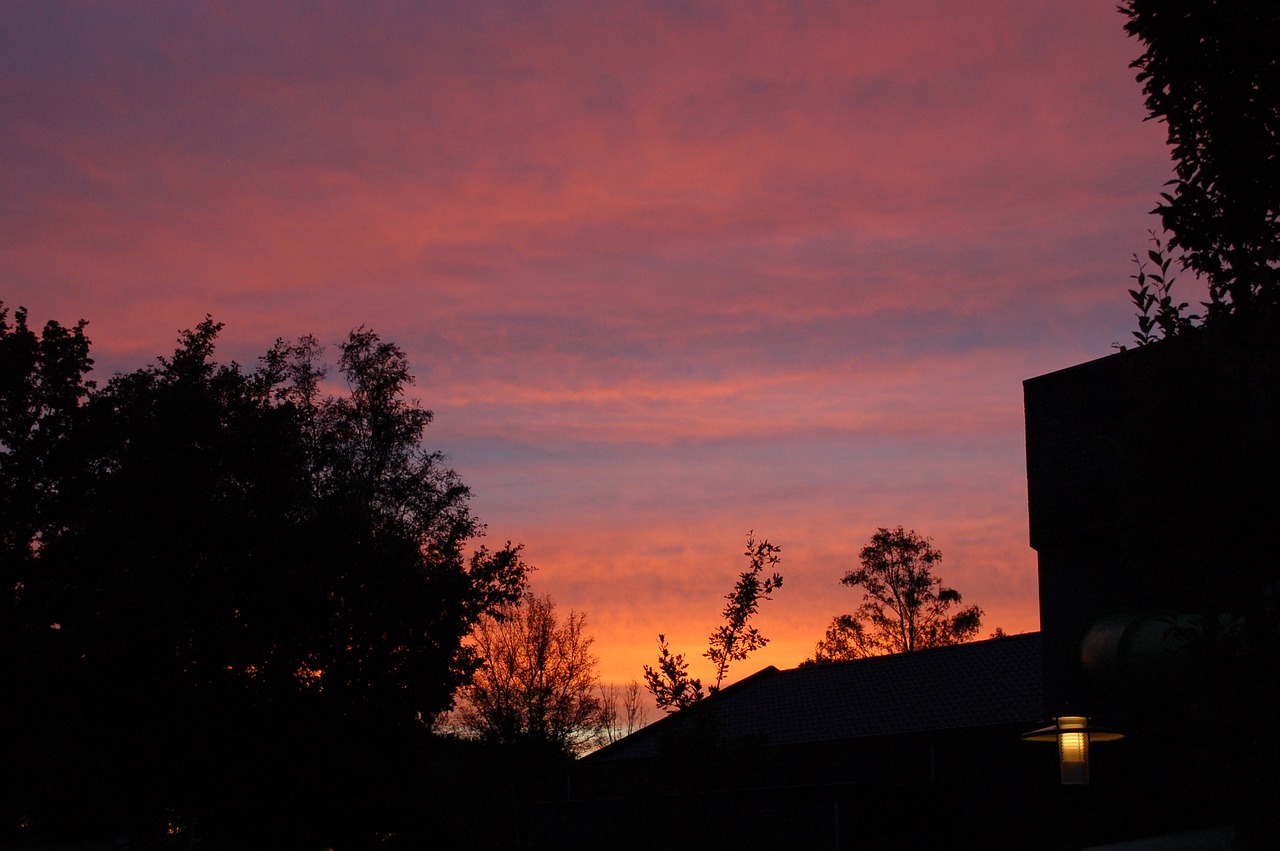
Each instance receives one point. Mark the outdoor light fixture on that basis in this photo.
(1073, 734)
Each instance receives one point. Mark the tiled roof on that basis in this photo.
(984, 683)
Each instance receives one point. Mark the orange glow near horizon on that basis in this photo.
(665, 274)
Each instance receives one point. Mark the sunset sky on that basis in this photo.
(666, 272)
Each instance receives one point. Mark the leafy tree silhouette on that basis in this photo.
(904, 606)
(732, 641)
(246, 601)
(1209, 72)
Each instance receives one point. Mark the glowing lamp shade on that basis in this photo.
(1073, 749)
(1072, 734)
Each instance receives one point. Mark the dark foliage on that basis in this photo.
(732, 641)
(42, 389)
(1159, 316)
(670, 684)
(904, 606)
(1211, 73)
(236, 604)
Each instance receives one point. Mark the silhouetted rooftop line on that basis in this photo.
(984, 683)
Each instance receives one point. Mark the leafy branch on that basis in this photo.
(670, 683)
(1158, 316)
(732, 641)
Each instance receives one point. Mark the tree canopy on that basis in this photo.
(537, 680)
(1210, 71)
(215, 571)
(904, 606)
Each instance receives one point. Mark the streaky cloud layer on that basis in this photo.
(666, 273)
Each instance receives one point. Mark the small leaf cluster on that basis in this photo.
(1158, 316)
(670, 684)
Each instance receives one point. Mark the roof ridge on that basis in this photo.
(965, 646)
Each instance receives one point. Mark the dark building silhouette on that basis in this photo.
(846, 754)
(1152, 482)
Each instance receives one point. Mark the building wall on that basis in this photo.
(1152, 489)
(1152, 481)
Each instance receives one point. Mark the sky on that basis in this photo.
(666, 272)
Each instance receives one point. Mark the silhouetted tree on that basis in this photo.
(1209, 71)
(845, 638)
(42, 389)
(537, 679)
(733, 641)
(247, 598)
(632, 715)
(904, 607)
(670, 684)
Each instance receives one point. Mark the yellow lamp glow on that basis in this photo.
(1072, 734)
(1073, 749)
